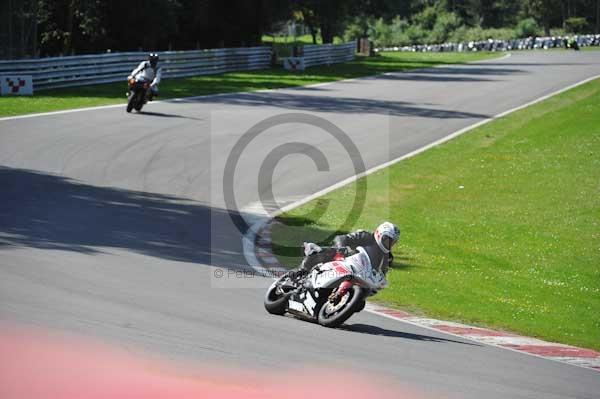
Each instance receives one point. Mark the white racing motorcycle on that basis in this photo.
(330, 293)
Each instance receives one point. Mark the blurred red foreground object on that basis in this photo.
(34, 364)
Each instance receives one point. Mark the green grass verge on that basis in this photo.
(114, 93)
(500, 227)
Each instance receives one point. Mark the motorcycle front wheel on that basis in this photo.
(140, 102)
(335, 314)
(275, 300)
(131, 101)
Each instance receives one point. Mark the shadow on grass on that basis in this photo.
(403, 262)
(117, 90)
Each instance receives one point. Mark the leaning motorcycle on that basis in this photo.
(330, 293)
(137, 94)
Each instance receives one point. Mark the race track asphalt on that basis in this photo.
(116, 226)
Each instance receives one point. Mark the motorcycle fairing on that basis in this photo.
(304, 302)
(356, 267)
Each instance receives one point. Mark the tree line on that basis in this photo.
(63, 27)
(476, 20)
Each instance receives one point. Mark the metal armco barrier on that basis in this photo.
(327, 54)
(49, 73)
(89, 69)
(502, 45)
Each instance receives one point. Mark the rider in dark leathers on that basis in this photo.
(378, 246)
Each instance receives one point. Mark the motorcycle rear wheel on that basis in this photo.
(328, 317)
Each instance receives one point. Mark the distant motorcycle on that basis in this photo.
(138, 89)
(330, 293)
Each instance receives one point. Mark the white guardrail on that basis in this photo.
(81, 70)
(326, 54)
(49, 73)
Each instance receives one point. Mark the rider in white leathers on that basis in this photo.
(149, 71)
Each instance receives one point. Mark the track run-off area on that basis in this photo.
(117, 226)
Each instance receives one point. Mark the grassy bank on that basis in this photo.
(500, 227)
(114, 93)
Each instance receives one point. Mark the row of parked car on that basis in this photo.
(529, 43)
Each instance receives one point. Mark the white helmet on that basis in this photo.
(386, 235)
